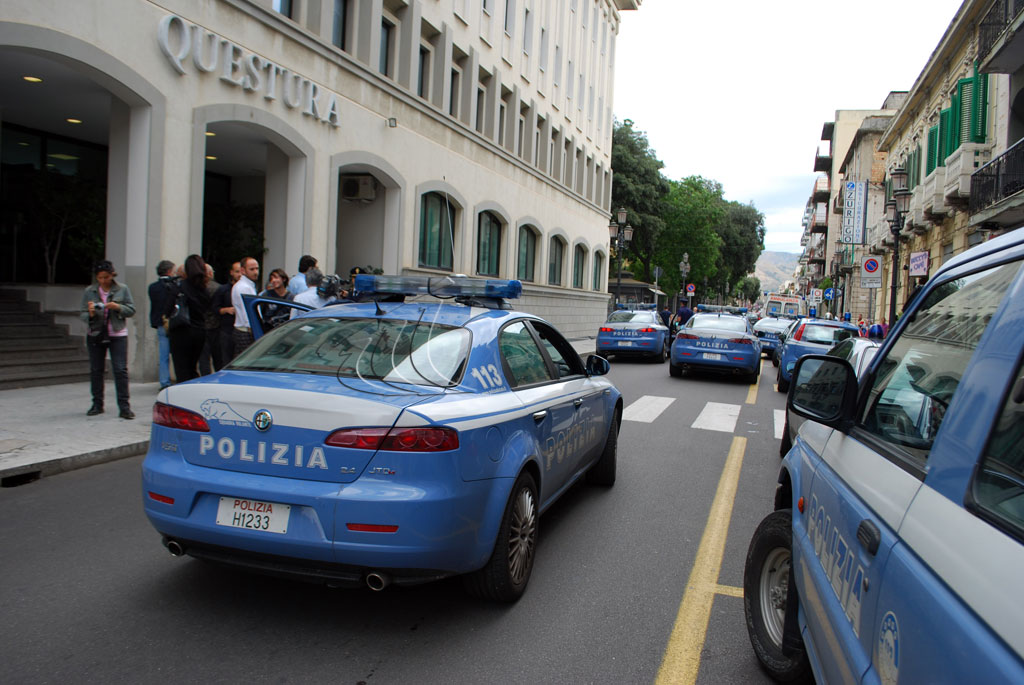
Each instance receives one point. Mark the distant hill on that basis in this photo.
(774, 268)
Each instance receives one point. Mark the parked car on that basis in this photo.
(719, 343)
(895, 550)
(384, 441)
(631, 333)
(809, 336)
(768, 329)
(859, 352)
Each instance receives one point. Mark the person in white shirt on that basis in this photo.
(246, 285)
(297, 283)
(310, 296)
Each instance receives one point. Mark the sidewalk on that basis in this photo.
(44, 430)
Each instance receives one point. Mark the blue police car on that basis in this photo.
(809, 336)
(629, 333)
(719, 343)
(384, 441)
(895, 550)
(768, 329)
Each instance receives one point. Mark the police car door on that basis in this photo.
(950, 607)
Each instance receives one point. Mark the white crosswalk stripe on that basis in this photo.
(647, 408)
(717, 416)
(780, 422)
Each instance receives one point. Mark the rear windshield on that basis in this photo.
(773, 325)
(825, 335)
(634, 317)
(376, 349)
(728, 323)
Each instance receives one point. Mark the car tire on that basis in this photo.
(766, 579)
(664, 353)
(603, 471)
(505, 575)
(781, 383)
(775, 358)
(675, 370)
(787, 443)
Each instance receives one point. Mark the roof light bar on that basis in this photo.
(438, 286)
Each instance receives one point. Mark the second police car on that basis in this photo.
(896, 547)
(717, 342)
(634, 333)
(809, 336)
(384, 441)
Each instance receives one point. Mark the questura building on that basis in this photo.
(413, 136)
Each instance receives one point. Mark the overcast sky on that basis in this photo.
(738, 91)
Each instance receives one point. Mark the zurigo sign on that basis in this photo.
(855, 197)
(190, 46)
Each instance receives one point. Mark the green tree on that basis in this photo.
(639, 187)
(691, 210)
(742, 234)
(749, 288)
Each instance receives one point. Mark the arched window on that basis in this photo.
(488, 245)
(527, 254)
(556, 256)
(436, 218)
(579, 256)
(598, 269)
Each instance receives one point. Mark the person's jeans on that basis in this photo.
(164, 353)
(118, 363)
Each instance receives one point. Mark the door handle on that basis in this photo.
(577, 402)
(869, 536)
(538, 416)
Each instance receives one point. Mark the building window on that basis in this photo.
(340, 23)
(488, 245)
(386, 30)
(282, 6)
(556, 255)
(527, 31)
(453, 94)
(501, 124)
(598, 270)
(436, 219)
(527, 254)
(510, 16)
(481, 99)
(579, 254)
(423, 74)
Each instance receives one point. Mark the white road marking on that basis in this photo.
(780, 422)
(717, 416)
(647, 408)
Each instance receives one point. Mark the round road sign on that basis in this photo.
(871, 265)
(690, 288)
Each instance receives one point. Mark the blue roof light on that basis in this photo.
(438, 286)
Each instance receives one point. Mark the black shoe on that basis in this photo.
(94, 410)
(126, 414)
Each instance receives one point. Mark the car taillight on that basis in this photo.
(742, 341)
(605, 329)
(686, 336)
(648, 330)
(430, 439)
(176, 417)
(798, 334)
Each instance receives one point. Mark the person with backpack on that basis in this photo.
(186, 318)
(159, 290)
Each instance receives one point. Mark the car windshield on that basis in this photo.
(389, 350)
(631, 317)
(825, 335)
(728, 323)
(773, 325)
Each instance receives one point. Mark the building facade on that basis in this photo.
(414, 136)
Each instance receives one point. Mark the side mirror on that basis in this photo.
(597, 366)
(824, 389)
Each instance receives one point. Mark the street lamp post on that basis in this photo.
(621, 233)
(684, 271)
(896, 209)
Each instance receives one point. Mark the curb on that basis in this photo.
(50, 467)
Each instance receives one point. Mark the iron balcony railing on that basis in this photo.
(999, 179)
(1001, 15)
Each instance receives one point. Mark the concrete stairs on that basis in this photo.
(33, 349)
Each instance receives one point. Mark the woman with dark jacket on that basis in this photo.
(187, 339)
(106, 306)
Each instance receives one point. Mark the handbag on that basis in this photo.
(180, 316)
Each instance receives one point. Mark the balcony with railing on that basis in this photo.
(820, 222)
(1000, 41)
(996, 187)
(933, 198)
(960, 166)
(823, 162)
(822, 188)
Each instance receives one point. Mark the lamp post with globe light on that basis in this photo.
(620, 233)
(895, 210)
(684, 271)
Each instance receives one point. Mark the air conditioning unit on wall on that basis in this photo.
(361, 187)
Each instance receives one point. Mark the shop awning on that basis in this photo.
(656, 291)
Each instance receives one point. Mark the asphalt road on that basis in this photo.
(89, 594)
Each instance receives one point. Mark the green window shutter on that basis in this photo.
(933, 149)
(965, 106)
(946, 129)
(979, 109)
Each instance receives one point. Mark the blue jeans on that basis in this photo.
(164, 353)
(118, 348)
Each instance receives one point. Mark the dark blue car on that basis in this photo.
(720, 343)
(810, 336)
(630, 333)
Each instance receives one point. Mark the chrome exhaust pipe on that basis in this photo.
(175, 548)
(377, 581)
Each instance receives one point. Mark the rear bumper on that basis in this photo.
(632, 346)
(694, 358)
(445, 526)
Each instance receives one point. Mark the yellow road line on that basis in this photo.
(752, 393)
(681, 660)
(729, 590)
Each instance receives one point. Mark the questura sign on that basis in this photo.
(189, 46)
